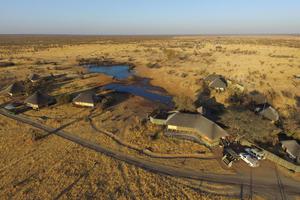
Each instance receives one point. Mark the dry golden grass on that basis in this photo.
(52, 167)
(270, 65)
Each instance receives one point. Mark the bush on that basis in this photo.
(36, 135)
(64, 99)
(106, 102)
(155, 136)
(184, 103)
(236, 98)
(287, 94)
(183, 75)
(153, 65)
(29, 88)
(297, 98)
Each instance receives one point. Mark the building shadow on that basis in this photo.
(213, 109)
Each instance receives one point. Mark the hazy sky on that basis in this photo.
(149, 16)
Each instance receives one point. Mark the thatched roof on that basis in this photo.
(292, 146)
(39, 99)
(270, 113)
(212, 77)
(218, 83)
(15, 88)
(198, 123)
(86, 97)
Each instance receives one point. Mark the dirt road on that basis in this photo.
(259, 184)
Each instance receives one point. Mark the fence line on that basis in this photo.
(276, 159)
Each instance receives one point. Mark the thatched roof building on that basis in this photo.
(218, 84)
(212, 77)
(38, 100)
(209, 131)
(15, 89)
(292, 148)
(270, 113)
(87, 99)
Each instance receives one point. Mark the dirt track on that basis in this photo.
(260, 184)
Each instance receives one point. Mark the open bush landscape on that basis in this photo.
(137, 99)
(40, 160)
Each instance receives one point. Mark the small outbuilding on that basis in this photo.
(269, 113)
(86, 99)
(34, 78)
(292, 148)
(212, 77)
(38, 100)
(218, 84)
(207, 130)
(14, 89)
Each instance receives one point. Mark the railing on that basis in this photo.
(276, 159)
(158, 121)
(280, 161)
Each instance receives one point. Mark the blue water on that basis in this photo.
(142, 91)
(142, 88)
(117, 71)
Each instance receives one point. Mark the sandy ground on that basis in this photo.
(52, 167)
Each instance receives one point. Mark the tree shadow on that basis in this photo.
(209, 190)
(61, 128)
(69, 187)
(25, 180)
(49, 83)
(114, 98)
(213, 109)
(297, 98)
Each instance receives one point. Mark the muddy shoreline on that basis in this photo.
(103, 62)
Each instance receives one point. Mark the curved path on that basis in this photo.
(148, 152)
(262, 185)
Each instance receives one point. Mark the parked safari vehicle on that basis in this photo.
(252, 162)
(256, 153)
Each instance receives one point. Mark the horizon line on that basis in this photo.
(140, 35)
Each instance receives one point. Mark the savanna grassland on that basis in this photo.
(51, 167)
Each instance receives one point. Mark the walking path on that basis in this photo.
(261, 184)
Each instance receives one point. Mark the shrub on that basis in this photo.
(183, 75)
(287, 94)
(106, 102)
(155, 136)
(153, 65)
(297, 98)
(236, 98)
(184, 103)
(36, 135)
(29, 88)
(64, 99)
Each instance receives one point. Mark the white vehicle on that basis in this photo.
(252, 162)
(12, 106)
(256, 153)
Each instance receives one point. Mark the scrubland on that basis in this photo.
(54, 168)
